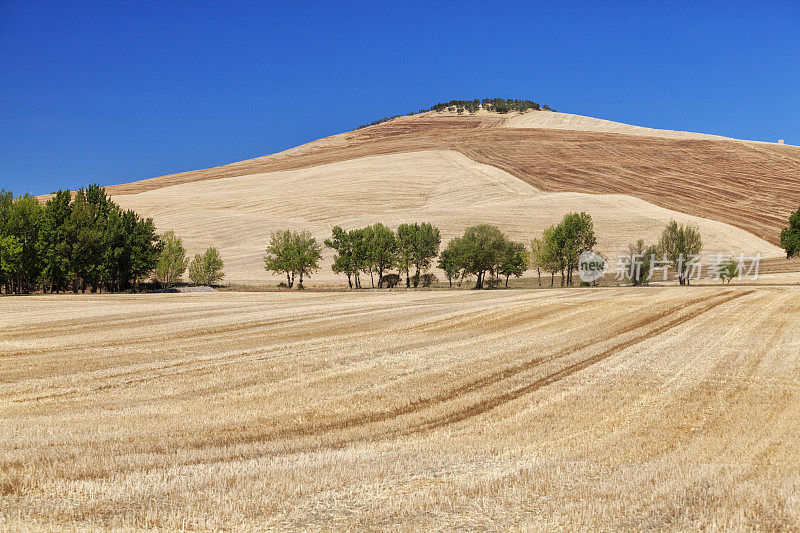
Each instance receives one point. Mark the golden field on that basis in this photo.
(651, 408)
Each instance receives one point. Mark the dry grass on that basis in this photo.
(660, 408)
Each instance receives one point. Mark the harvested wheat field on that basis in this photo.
(659, 408)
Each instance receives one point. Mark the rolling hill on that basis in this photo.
(519, 171)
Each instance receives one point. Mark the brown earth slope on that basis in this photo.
(754, 186)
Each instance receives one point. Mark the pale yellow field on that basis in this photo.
(653, 408)
(568, 121)
(446, 188)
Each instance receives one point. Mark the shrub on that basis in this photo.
(206, 268)
(428, 279)
(172, 260)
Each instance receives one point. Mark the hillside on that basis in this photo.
(443, 187)
(520, 171)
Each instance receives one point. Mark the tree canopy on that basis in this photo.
(80, 242)
(498, 105)
(679, 245)
(294, 254)
(790, 236)
(206, 268)
(172, 260)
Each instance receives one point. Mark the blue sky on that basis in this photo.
(111, 92)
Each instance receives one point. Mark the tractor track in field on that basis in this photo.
(488, 405)
(228, 446)
(495, 378)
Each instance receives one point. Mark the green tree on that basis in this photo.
(728, 270)
(85, 241)
(679, 244)
(479, 251)
(574, 235)
(24, 222)
(406, 235)
(172, 260)
(10, 260)
(345, 260)
(640, 258)
(514, 260)
(85, 238)
(293, 253)
(308, 254)
(449, 261)
(425, 248)
(280, 255)
(382, 250)
(790, 236)
(54, 247)
(206, 268)
(551, 255)
(145, 246)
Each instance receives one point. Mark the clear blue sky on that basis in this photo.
(111, 92)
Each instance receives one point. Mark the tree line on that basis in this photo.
(498, 105)
(483, 252)
(80, 242)
(87, 241)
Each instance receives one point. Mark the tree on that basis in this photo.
(574, 235)
(418, 245)
(24, 222)
(728, 270)
(382, 250)
(425, 248)
(406, 235)
(679, 244)
(54, 247)
(144, 244)
(293, 253)
(85, 241)
(640, 258)
(790, 236)
(308, 253)
(280, 255)
(551, 258)
(543, 255)
(479, 251)
(10, 259)
(206, 268)
(345, 260)
(449, 261)
(172, 260)
(514, 260)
